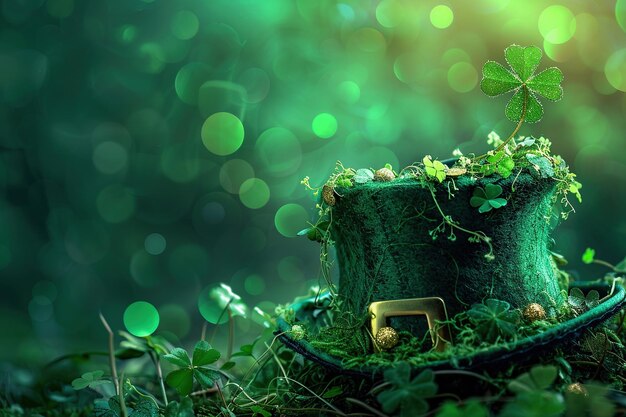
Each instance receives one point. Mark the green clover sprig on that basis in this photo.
(521, 79)
(194, 368)
(487, 198)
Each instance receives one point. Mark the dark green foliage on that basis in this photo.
(192, 369)
(142, 408)
(473, 408)
(533, 395)
(494, 319)
(594, 402)
(182, 409)
(406, 397)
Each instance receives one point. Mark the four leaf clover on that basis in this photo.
(524, 105)
(407, 397)
(194, 368)
(487, 198)
(434, 169)
(494, 319)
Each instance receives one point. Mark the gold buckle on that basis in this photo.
(434, 308)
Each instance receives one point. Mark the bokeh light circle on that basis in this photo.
(254, 193)
(185, 25)
(222, 133)
(620, 13)
(462, 77)
(257, 84)
(279, 151)
(155, 244)
(145, 269)
(213, 301)
(290, 219)
(254, 284)
(141, 319)
(441, 16)
(189, 79)
(390, 13)
(368, 40)
(557, 24)
(174, 319)
(324, 125)
(234, 173)
(615, 70)
(110, 157)
(349, 92)
(115, 203)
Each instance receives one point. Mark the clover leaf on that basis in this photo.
(407, 397)
(589, 255)
(487, 198)
(194, 368)
(498, 162)
(494, 319)
(363, 175)
(434, 169)
(534, 399)
(537, 379)
(581, 303)
(520, 78)
(89, 379)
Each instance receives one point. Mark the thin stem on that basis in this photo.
(112, 363)
(519, 124)
(227, 308)
(367, 407)
(122, 400)
(605, 263)
(231, 334)
(157, 363)
(479, 235)
(517, 128)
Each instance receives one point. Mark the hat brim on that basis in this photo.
(520, 350)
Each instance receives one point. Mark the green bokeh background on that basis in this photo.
(152, 149)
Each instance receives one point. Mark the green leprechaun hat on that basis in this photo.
(449, 264)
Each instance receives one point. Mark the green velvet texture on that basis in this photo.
(385, 252)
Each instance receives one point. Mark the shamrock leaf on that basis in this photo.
(520, 78)
(533, 397)
(434, 169)
(407, 397)
(363, 175)
(581, 303)
(487, 198)
(190, 369)
(89, 379)
(541, 164)
(537, 379)
(588, 255)
(494, 319)
(499, 162)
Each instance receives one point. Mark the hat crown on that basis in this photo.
(385, 250)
